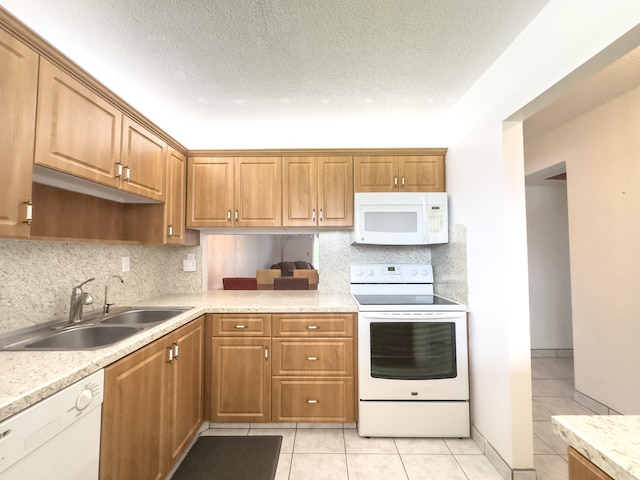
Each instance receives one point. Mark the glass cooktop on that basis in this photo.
(402, 300)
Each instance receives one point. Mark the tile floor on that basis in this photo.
(552, 389)
(336, 452)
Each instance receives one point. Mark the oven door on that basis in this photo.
(420, 356)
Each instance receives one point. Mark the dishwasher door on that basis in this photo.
(56, 439)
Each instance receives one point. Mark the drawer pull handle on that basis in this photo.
(312, 327)
(312, 401)
(240, 326)
(313, 359)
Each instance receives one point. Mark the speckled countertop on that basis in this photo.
(610, 442)
(28, 377)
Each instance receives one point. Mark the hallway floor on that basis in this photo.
(552, 389)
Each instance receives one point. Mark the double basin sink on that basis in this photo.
(94, 332)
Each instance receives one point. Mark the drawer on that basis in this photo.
(254, 325)
(313, 325)
(308, 399)
(291, 356)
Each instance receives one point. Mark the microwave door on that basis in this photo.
(389, 225)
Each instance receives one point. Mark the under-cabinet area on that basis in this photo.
(280, 368)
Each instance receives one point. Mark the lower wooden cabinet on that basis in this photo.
(581, 468)
(152, 405)
(280, 368)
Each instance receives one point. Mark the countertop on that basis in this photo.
(610, 442)
(28, 377)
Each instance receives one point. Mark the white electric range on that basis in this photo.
(413, 376)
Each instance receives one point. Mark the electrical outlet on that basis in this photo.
(125, 264)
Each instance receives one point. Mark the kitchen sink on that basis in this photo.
(96, 331)
(138, 316)
(83, 338)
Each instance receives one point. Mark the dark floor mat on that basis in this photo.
(231, 458)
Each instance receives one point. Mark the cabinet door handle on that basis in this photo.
(313, 215)
(312, 327)
(403, 181)
(395, 181)
(228, 215)
(321, 216)
(119, 170)
(128, 176)
(170, 230)
(312, 401)
(236, 214)
(266, 353)
(28, 218)
(240, 326)
(170, 359)
(313, 359)
(175, 350)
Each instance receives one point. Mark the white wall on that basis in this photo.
(549, 276)
(601, 149)
(485, 177)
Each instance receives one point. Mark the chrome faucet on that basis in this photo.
(79, 299)
(105, 308)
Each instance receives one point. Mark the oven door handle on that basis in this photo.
(412, 315)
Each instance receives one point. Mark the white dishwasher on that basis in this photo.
(57, 438)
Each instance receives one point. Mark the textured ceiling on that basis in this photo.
(189, 63)
(614, 80)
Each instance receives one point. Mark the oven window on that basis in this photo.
(413, 350)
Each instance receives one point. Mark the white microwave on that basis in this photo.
(400, 218)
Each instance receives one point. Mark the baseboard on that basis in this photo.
(552, 353)
(505, 471)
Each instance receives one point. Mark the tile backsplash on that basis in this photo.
(36, 277)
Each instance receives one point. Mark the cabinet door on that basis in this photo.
(581, 468)
(18, 87)
(335, 191)
(421, 173)
(144, 159)
(300, 192)
(135, 401)
(258, 192)
(375, 174)
(241, 380)
(176, 189)
(210, 192)
(186, 388)
(77, 132)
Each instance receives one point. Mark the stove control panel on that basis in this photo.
(392, 273)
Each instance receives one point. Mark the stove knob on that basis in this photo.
(414, 272)
(370, 273)
(360, 273)
(424, 272)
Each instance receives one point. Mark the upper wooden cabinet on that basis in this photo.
(176, 195)
(18, 89)
(317, 191)
(143, 160)
(77, 132)
(417, 173)
(240, 192)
